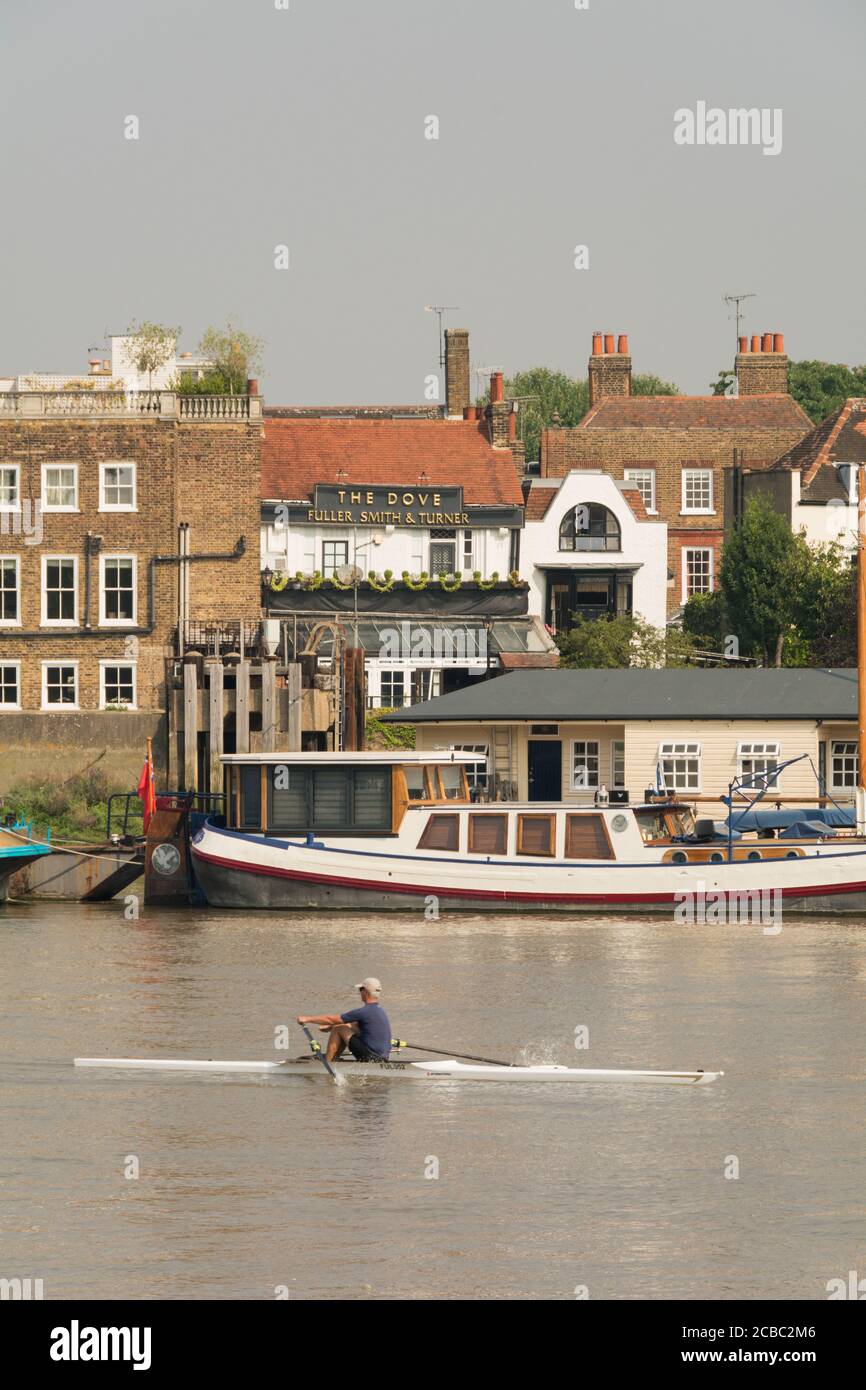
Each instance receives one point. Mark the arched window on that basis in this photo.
(589, 526)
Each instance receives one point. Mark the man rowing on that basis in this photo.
(366, 1030)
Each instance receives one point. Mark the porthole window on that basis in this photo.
(717, 858)
(755, 854)
(679, 857)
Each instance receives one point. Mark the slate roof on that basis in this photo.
(690, 694)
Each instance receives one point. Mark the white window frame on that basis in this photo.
(14, 468)
(630, 475)
(119, 661)
(118, 622)
(854, 755)
(678, 754)
(587, 744)
(16, 560)
(16, 667)
(455, 539)
(614, 744)
(53, 506)
(118, 506)
(45, 621)
(759, 753)
(59, 661)
(706, 473)
(406, 678)
(694, 550)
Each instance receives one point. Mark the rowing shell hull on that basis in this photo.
(411, 1071)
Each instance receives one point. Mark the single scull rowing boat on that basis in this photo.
(411, 1071)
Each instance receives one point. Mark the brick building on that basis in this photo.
(100, 493)
(674, 449)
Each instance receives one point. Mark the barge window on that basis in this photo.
(416, 784)
(251, 796)
(488, 834)
(288, 798)
(372, 796)
(441, 832)
(452, 782)
(586, 838)
(331, 793)
(329, 798)
(536, 835)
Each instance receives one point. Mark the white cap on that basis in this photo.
(371, 985)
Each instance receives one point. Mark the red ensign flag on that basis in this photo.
(146, 790)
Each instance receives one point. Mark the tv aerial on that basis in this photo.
(736, 300)
(439, 310)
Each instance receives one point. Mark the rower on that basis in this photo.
(365, 1030)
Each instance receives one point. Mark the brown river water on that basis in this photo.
(248, 1184)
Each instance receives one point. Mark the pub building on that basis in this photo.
(401, 527)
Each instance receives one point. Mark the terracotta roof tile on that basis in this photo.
(695, 412)
(298, 453)
(841, 438)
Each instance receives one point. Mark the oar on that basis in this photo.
(316, 1049)
(463, 1056)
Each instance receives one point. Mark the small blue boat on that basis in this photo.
(18, 848)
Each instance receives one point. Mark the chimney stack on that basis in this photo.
(457, 392)
(498, 412)
(609, 370)
(762, 369)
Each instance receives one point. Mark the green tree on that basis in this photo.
(760, 579)
(704, 621)
(235, 355)
(821, 387)
(827, 607)
(555, 396)
(151, 346)
(625, 640)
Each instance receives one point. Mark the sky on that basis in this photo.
(306, 127)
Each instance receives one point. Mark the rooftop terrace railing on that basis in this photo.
(128, 405)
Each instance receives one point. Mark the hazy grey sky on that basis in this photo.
(305, 127)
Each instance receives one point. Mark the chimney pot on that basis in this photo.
(252, 386)
(596, 345)
(470, 412)
(743, 344)
(756, 342)
(767, 343)
(512, 425)
(778, 342)
(95, 366)
(497, 390)
(622, 344)
(608, 342)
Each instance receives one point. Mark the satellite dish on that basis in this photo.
(349, 574)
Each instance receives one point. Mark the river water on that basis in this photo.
(248, 1184)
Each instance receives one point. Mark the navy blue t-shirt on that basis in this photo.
(374, 1030)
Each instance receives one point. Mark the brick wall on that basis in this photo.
(204, 474)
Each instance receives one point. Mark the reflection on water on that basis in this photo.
(249, 1182)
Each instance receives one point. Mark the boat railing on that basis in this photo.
(125, 816)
